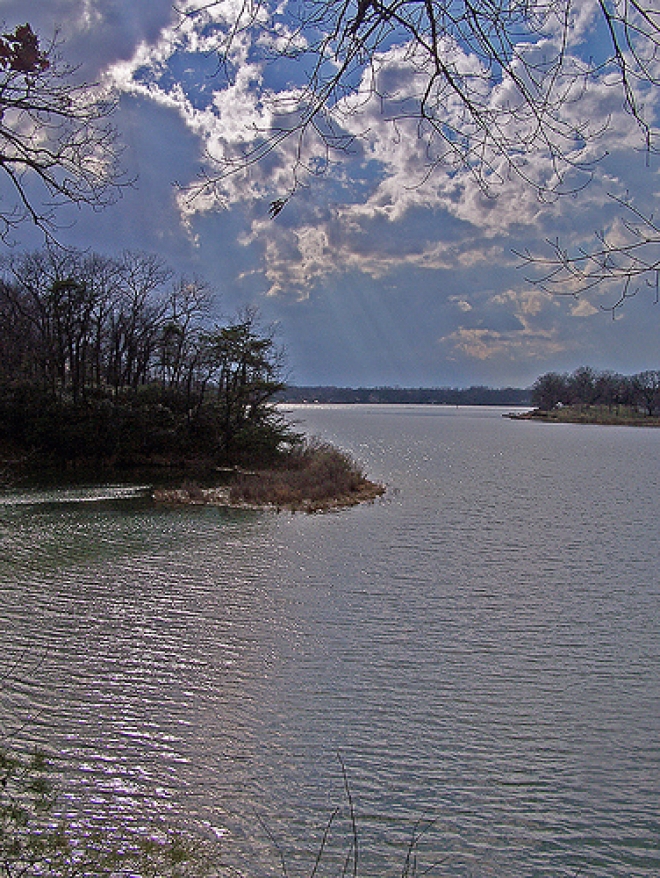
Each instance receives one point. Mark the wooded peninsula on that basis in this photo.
(112, 367)
(589, 396)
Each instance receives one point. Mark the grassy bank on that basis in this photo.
(626, 416)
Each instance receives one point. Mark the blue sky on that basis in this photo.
(369, 279)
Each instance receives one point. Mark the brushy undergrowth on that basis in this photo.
(312, 475)
(35, 843)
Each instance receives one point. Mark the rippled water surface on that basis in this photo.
(481, 647)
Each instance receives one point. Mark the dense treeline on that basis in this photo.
(589, 387)
(114, 359)
(476, 395)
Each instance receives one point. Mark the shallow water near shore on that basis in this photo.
(481, 647)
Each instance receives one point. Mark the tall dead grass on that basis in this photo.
(312, 476)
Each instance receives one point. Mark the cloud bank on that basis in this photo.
(371, 217)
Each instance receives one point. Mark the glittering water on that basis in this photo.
(481, 647)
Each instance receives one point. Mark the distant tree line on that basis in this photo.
(115, 359)
(590, 387)
(477, 395)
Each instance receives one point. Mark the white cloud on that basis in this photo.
(583, 308)
(238, 112)
(383, 184)
(489, 344)
(533, 333)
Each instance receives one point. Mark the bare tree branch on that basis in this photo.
(57, 144)
(342, 46)
(497, 91)
(621, 266)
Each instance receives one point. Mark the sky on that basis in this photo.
(373, 274)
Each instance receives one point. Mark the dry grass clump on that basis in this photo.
(311, 477)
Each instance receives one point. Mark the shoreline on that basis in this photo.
(314, 477)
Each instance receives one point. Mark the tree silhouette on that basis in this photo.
(57, 145)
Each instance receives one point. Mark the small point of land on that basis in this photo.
(315, 477)
(224, 496)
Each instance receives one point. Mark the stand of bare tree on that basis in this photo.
(589, 387)
(116, 359)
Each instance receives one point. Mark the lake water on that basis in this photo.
(480, 650)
